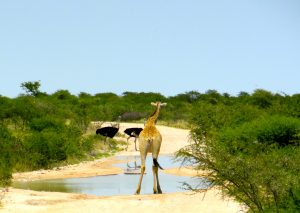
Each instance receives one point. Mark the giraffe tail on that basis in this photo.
(156, 163)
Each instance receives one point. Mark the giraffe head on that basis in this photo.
(158, 104)
(153, 118)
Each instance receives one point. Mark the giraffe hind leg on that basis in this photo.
(156, 187)
(155, 163)
(154, 171)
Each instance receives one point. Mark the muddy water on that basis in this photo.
(122, 184)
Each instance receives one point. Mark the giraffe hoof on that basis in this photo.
(159, 192)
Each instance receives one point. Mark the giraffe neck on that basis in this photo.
(153, 118)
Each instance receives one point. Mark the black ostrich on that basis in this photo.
(133, 133)
(108, 131)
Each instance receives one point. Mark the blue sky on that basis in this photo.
(164, 46)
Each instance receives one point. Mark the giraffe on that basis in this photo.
(149, 141)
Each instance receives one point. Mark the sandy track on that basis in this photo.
(31, 201)
(17, 200)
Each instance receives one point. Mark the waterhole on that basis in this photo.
(121, 184)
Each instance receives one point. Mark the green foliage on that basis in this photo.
(6, 148)
(5, 106)
(211, 117)
(256, 162)
(272, 131)
(31, 88)
(64, 95)
(39, 124)
(280, 130)
(51, 145)
(262, 98)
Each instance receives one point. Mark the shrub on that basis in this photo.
(269, 131)
(6, 146)
(257, 162)
(51, 144)
(280, 130)
(39, 124)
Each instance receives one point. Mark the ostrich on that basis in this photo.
(134, 133)
(108, 131)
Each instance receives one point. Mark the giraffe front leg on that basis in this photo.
(143, 153)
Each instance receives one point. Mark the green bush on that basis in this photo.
(6, 150)
(257, 162)
(272, 131)
(39, 124)
(46, 147)
(209, 118)
(88, 143)
(51, 142)
(280, 130)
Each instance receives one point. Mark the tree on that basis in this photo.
(31, 88)
(262, 98)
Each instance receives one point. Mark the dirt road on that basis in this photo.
(17, 200)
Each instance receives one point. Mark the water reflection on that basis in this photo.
(121, 184)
